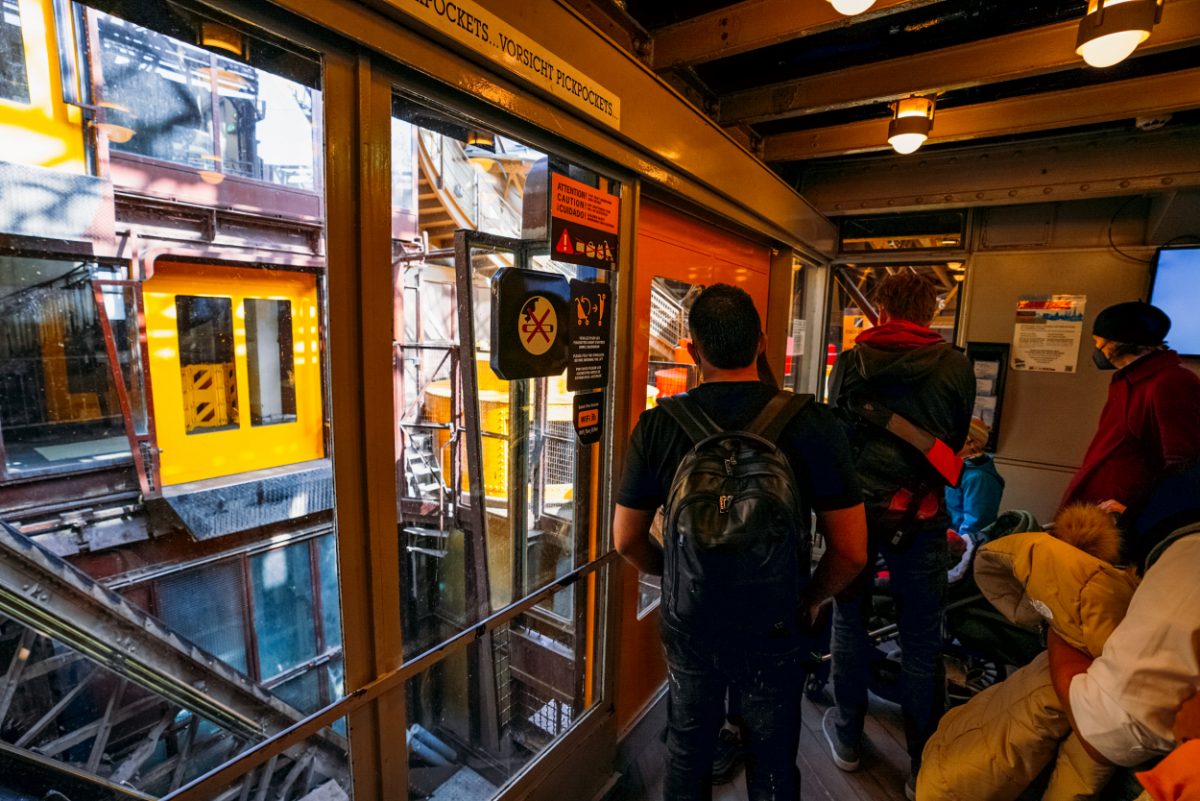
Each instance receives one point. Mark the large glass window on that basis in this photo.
(195, 609)
(190, 106)
(59, 400)
(14, 80)
(498, 498)
(206, 363)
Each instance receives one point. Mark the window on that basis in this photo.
(206, 363)
(207, 607)
(59, 404)
(192, 107)
(283, 608)
(853, 309)
(497, 495)
(269, 358)
(14, 80)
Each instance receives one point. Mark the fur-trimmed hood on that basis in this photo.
(1067, 580)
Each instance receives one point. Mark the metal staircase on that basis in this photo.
(95, 687)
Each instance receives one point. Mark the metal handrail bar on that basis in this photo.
(218, 779)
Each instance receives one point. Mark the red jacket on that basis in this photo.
(1150, 424)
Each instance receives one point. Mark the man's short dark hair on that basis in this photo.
(908, 296)
(725, 327)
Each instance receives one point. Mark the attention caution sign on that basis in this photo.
(584, 222)
(529, 314)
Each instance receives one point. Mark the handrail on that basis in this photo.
(220, 778)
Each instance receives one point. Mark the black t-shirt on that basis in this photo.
(813, 442)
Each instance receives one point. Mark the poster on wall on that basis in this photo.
(1047, 333)
(584, 222)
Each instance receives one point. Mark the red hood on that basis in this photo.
(899, 335)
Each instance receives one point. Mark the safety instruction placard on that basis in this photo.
(529, 323)
(1048, 331)
(589, 336)
(584, 222)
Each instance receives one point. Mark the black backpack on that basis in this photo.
(737, 529)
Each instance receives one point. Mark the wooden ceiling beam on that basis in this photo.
(1026, 54)
(754, 24)
(1137, 97)
(1076, 167)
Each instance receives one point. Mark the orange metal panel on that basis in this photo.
(676, 246)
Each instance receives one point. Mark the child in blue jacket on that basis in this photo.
(974, 504)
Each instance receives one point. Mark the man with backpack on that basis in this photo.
(905, 397)
(739, 467)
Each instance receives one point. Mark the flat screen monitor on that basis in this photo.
(1175, 289)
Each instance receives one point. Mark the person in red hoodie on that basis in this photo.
(902, 366)
(1150, 425)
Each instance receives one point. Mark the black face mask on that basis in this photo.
(1101, 361)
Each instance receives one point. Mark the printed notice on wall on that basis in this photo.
(1048, 332)
(470, 24)
(584, 222)
(590, 336)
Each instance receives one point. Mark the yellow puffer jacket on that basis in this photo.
(994, 746)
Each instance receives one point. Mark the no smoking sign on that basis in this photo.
(528, 337)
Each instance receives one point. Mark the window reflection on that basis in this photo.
(14, 81)
(189, 106)
(58, 398)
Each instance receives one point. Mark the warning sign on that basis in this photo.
(589, 417)
(538, 324)
(528, 307)
(584, 223)
(590, 336)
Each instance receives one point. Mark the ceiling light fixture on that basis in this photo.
(1112, 29)
(851, 7)
(216, 36)
(484, 139)
(911, 123)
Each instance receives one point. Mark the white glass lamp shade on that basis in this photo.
(911, 125)
(1112, 29)
(851, 7)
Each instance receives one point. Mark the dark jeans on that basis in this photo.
(918, 584)
(767, 679)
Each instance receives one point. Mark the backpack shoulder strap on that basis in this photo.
(690, 417)
(778, 412)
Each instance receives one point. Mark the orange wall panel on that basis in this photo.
(672, 245)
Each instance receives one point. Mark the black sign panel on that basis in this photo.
(578, 244)
(590, 339)
(529, 318)
(589, 417)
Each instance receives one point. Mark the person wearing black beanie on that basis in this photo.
(1150, 425)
